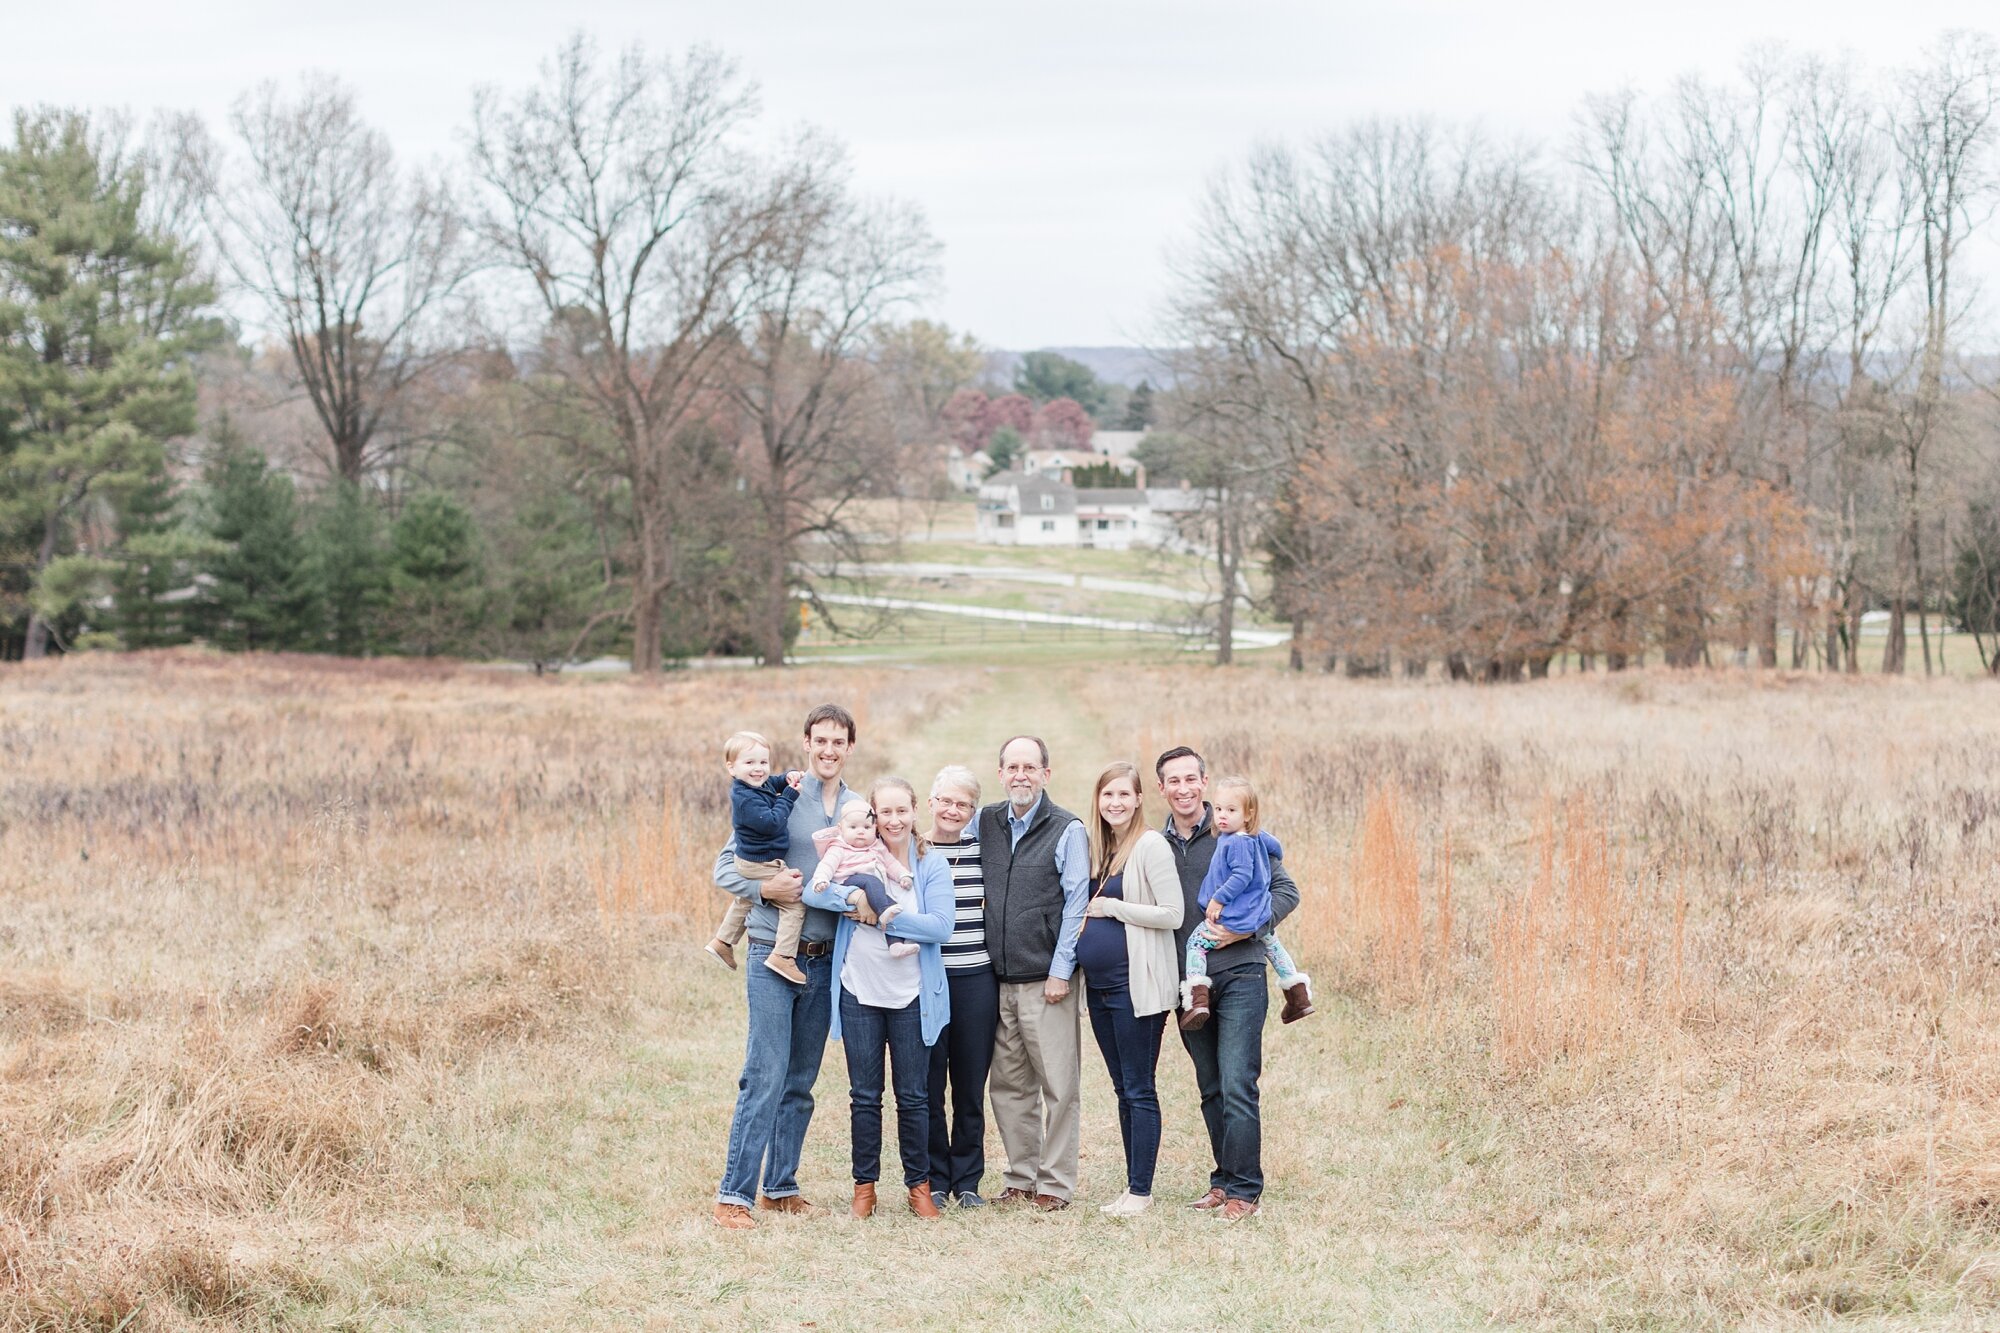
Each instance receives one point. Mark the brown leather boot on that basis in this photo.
(864, 1199)
(922, 1204)
(734, 1217)
(1298, 1000)
(786, 968)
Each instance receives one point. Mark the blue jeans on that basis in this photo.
(774, 1101)
(1228, 1055)
(962, 1058)
(869, 1033)
(1131, 1047)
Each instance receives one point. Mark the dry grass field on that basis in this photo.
(365, 995)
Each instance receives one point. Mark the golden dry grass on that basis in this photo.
(352, 995)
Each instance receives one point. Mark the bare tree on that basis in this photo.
(615, 189)
(355, 260)
(1944, 129)
(830, 272)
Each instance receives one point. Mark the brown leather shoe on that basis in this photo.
(1210, 1201)
(922, 1204)
(864, 1199)
(734, 1217)
(1237, 1209)
(1011, 1195)
(1298, 1000)
(792, 1205)
(1049, 1203)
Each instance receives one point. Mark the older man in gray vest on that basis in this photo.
(1036, 861)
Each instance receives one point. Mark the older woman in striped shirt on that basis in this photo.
(964, 1053)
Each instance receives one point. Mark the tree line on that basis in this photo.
(1708, 380)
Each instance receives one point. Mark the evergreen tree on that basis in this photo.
(255, 591)
(434, 587)
(1047, 376)
(98, 317)
(349, 579)
(1139, 407)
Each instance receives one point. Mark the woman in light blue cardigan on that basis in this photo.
(889, 1006)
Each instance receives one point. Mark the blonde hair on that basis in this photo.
(1109, 848)
(875, 788)
(734, 747)
(1250, 822)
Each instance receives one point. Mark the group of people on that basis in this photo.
(948, 964)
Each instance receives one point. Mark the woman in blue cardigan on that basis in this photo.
(885, 1005)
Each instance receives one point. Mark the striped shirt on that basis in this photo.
(967, 945)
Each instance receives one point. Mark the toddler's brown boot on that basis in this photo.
(786, 968)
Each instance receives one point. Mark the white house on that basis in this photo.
(1016, 509)
(965, 471)
(1023, 509)
(1111, 518)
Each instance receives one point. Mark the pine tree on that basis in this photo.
(254, 590)
(345, 559)
(98, 316)
(1139, 407)
(434, 588)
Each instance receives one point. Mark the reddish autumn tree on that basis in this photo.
(1016, 410)
(967, 419)
(1063, 424)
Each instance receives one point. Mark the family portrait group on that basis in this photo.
(955, 960)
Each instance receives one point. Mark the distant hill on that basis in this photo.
(1114, 365)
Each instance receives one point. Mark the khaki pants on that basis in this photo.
(1034, 1083)
(736, 921)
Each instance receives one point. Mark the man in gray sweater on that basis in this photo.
(1228, 1052)
(1036, 862)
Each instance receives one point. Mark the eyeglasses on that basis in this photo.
(946, 803)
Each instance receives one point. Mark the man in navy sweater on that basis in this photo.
(1228, 1052)
(788, 1020)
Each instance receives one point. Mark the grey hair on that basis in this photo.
(956, 775)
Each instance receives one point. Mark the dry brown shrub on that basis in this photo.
(1568, 978)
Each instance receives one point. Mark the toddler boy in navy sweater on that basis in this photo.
(760, 811)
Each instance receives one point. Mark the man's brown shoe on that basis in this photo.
(1012, 1195)
(1209, 1202)
(1237, 1209)
(792, 1205)
(864, 1199)
(1049, 1203)
(734, 1217)
(922, 1204)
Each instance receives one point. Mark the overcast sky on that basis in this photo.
(1057, 146)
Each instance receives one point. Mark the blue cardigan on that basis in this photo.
(1240, 875)
(930, 925)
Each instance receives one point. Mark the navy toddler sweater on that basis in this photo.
(761, 817)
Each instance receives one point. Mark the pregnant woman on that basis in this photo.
(1130, 971)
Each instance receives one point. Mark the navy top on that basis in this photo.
(761, 818)
(1100, 950)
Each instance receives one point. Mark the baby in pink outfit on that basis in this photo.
(851, 847)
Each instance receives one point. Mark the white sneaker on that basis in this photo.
(1127, 1205)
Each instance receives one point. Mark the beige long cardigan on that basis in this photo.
(1151, 910)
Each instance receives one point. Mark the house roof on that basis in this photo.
(1026, 492)
(1111, 497)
